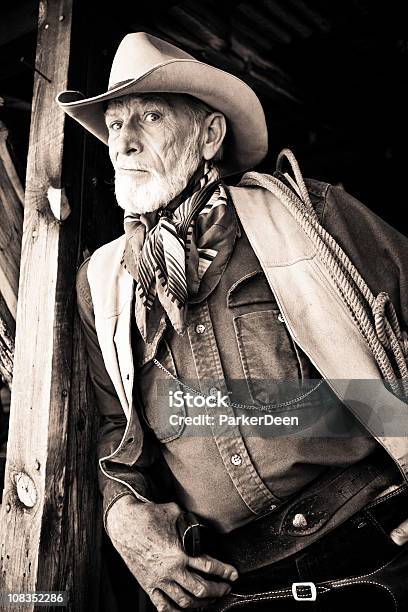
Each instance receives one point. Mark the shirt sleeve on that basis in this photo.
(113, 419)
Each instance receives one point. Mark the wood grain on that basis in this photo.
(7, 334)
(11, 226)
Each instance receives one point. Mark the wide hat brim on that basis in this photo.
(246, 143)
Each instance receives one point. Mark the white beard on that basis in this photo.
(158, 190)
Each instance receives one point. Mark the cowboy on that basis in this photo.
(222, 302)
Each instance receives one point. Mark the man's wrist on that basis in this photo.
(114, 502)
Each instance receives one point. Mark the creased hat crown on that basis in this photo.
(139, 53)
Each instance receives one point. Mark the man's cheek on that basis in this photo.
(170, 144)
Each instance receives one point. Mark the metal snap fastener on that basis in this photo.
(200, 328)
(280, 318)
(236, 459)
(299, 521)
(272, 507)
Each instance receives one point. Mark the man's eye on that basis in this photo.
(152, 117)
(115, 125)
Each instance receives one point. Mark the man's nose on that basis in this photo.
(129, 141)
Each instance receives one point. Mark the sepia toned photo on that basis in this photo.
(203, 306)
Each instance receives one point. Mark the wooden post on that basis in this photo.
(49, 520)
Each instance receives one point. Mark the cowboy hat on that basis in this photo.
(146, 64)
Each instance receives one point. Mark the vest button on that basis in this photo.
(299, 521)
(200, 328)
(280, 318)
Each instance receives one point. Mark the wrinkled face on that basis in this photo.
(154, 146)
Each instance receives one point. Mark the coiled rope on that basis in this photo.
(374, 316)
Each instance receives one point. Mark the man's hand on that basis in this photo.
(400, 534)
(145, 535)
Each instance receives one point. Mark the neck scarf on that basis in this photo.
(169, 251)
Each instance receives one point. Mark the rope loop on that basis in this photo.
(404, 343)
(386, 321)
(379, 312)
(288, 154)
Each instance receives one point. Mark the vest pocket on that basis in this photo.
(163, 412)
(269, 359)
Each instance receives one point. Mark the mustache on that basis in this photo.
(134, 167)
(122, 172)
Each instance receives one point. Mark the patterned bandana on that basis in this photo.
(169, 251)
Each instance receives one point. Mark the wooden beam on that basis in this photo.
(245, 50)
(7, 334)
(205, 32)
(49, 517)
(279, 9)
(175, 34)
(273, 85)
(257, 26)
(11, 225)
(310, 14)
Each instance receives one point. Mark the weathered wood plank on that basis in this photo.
(7, 333)
(171, 32)
(49, 539)
(281, 10)
(11, 225)
(75, 496)
(311, 14)
(253, 24)
(9, 164)
(202, 29)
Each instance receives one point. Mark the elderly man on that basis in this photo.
(212, 326)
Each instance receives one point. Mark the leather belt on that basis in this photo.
(320, 508)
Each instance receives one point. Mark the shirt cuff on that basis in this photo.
(110, 503)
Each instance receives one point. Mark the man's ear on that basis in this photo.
(215, 127)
